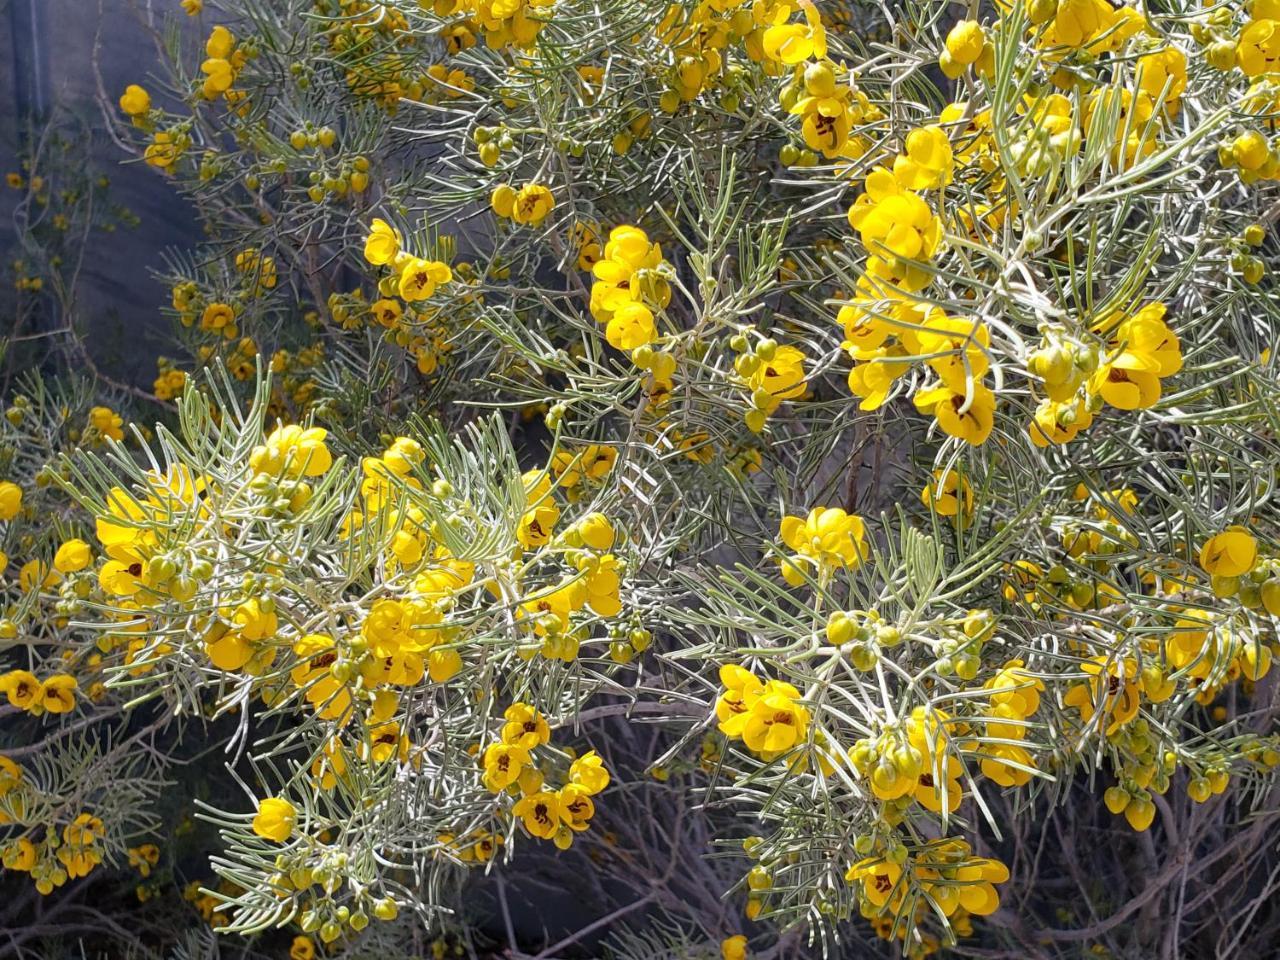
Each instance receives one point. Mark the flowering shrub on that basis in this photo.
(789, 477)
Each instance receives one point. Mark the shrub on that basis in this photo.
(789, 476)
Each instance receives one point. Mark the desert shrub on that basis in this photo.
(788, 479)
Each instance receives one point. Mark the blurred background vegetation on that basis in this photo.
(53, 79)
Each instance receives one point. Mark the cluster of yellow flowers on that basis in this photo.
(1254, 49)
(170, 382)
(770, 374)
(424, 330)
(1077, 378)
(767, 717)
(823, 94)
(946, 871)
(824, 541)
(511, 768)
(53, 694)
(224, 59)
(414, 278)
(57, 858)
(630, 284)
(899, 229)
(1204, 652)
(526, 207)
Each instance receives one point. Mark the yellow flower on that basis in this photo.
(143, 858)
(957, 880)
(541, 514)
(302, 948)
(107, 422)
(253, 622)
(1146, 343)
(503, 764)
(734, 948)
(1161, 68)
(83, 830)
(10, 500)
(532, 204)
(1230, 553)
(217, 316)
(220, 44)
(293, 450)
(1078, 22)
(828, 536)
(1250, 150)
(1258, 49)
(595, 530)
(166, 149)
(630, 326)
(589, 773)
(503, 200)
(927, 162)
(775, 720)
(20, 855)
(219, 76)
(386, 312)
(1146, 350)
(742, 688)
(10, 775)
(275, 819)
(22, 688)
(1058, 422)
(576, 806)
(135, 101)
(956, 348)
(793, 43)
(1254, 660)
(540, 813)
(386, 742)
(874, 373)
(947, 404)
(123, 578)
(934, 779)
(594, 463)
(229, 651)
(72, 557)
(382, 244)
(894, 222)
(525, 727)
(948, 494)
(585, 237)
(996, 770)
(879, 879)
(965, 42)
(1111, 691)
(37, 575)
(78, 852)
(58, 693)
(627, 273)
(599, 586)
(486, 846)
(777, 379)
(419, 278)
(1013, 687)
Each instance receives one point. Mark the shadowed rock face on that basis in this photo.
(47, 66)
